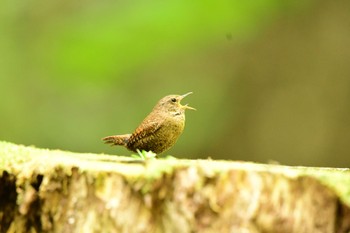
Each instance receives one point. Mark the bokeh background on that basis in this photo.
(271, 79)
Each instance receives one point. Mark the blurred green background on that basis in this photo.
(271, 79)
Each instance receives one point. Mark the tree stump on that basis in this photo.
(57, 191)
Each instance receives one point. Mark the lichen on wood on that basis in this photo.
(57, 191)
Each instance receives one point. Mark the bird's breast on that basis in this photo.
(173, 127)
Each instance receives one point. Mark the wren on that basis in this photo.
(159, 131)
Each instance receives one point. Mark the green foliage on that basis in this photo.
(103, 40)
(144, 155)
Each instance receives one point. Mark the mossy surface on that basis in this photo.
(25, 159)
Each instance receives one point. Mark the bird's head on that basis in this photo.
(172, 104)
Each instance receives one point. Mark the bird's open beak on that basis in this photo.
(186, 106)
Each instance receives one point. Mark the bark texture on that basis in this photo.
(56, 191)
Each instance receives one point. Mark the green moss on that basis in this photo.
(23, 160)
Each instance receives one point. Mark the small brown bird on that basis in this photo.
(159, 130)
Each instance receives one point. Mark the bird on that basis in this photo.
(159, 131)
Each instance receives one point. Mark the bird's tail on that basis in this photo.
(117, 140)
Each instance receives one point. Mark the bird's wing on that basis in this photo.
(144, 131)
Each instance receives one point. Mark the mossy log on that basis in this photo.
(57, 191)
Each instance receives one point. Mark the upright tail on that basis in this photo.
(117, 140)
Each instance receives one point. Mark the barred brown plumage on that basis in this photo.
(159, 130)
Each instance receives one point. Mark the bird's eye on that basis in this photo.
(173, 100)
